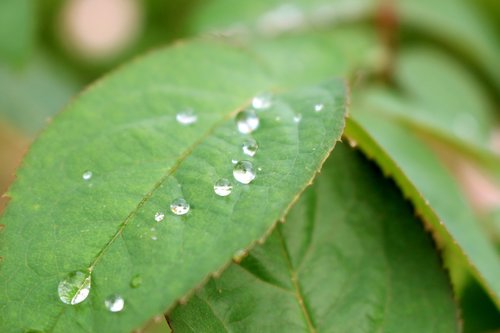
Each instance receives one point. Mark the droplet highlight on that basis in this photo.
(114, 303)
(247, 121)
(186, 117)
(319, 107)
(262, 101)
(179, 206)
(223, 187)
(244, 172)
(159, 216)
(250, 147)
(87, 175)
(74, 288)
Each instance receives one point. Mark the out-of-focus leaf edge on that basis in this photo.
(369, 146)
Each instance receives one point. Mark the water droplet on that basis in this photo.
(159, 216)
(223, 187)
(262, 101)
(234, 161)
(297, 118)
(87, 175)
(136, 281)
(319, 107)
(154, 237)
(259, 168)
(186, 117)
(243, 172)
(239, 255)
(278, 118)
(114, 303)
(179, 206)
(250, 147)
(247, 121)
(74, 288)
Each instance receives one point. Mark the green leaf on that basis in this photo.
(16, 30)
(31, 95)
(462, 28)
(273, 17)
(351, 257)
(453, 102)
(432, 190)
(124, 130)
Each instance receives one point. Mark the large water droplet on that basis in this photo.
(136, 281)
(223, 187)
(74, 288)
(318, 107)
(186, 117)
(247, 121)
(159, 216)
(114, 303)
(87, 175)
(179, 206)
(262, 101)
(243, 172)
(250, 147)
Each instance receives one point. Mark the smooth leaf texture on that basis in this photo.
(351, 257)
(432, 190)
(124, 130)
(16, 30)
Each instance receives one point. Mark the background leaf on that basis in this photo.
(433, 191)
(351, 257)
(16, 30)
(124, 130)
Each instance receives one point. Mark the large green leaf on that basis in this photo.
(124, 130)
(351, 257)
(16, 29)
(432, 189)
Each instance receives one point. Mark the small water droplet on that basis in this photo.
(154, 237)
(114, 303)
(159, 216)
(262, 101)
(179, 206)
(234, 161)
(87, 175)
(247, 121)
(297, 118)
(136, 281)
(74, 288)
(259, 168)
(243, 172)
(223, 187)
(239, 255)
(319, 107)
(186, 117)
(250, 147)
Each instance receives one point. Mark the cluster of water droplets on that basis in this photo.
(75, 287)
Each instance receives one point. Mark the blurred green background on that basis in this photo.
(52, 49)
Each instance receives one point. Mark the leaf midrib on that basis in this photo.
(157, 185)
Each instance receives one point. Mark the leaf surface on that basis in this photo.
(432, 190)
(351, 257)
(124, 130)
